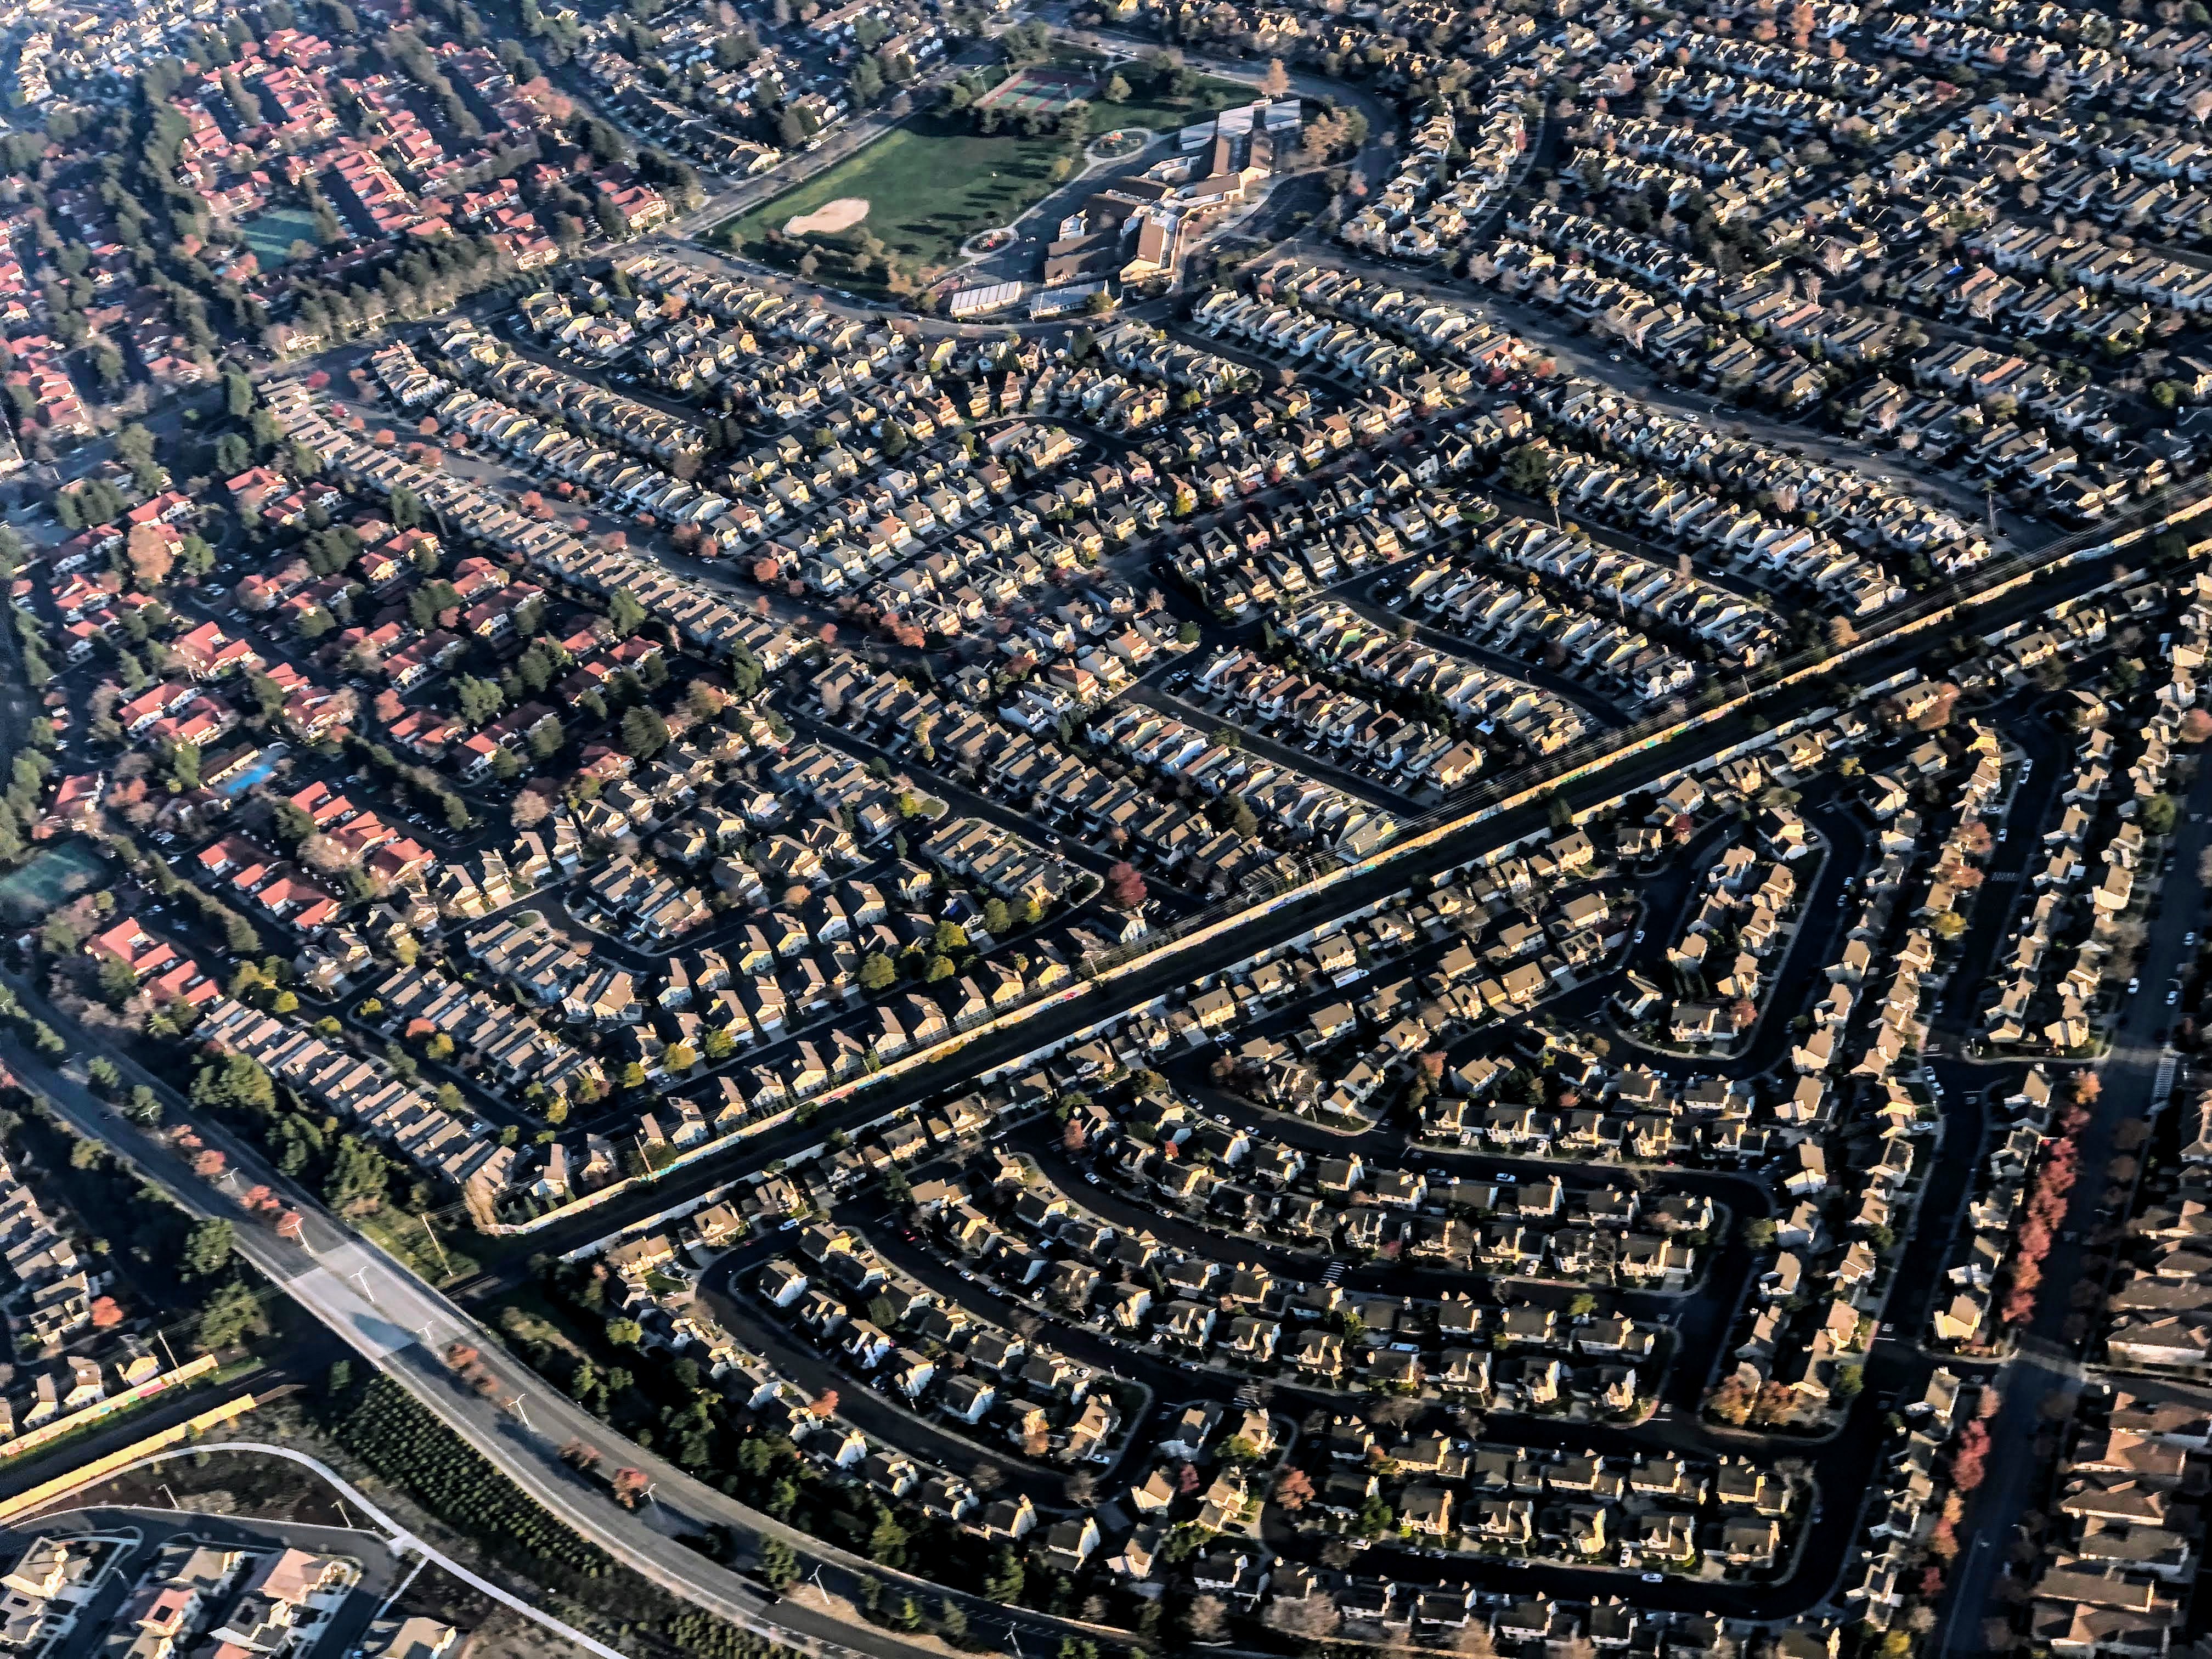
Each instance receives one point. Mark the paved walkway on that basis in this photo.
(399, 1538)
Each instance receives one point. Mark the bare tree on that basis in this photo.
(1314, 1618)
(1207, 1619)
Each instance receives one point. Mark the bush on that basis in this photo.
(394, 1434)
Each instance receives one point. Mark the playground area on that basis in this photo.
(1040, 89)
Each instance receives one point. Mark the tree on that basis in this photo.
(2157, 814)
(624, 614)
(777, 1564)
(1117, 90)
(151, 553)
(644, 733)
(1277, 82)
(206, 1249)
(1125, 887)
(1003, 1581)
(233, 1313)
(1206, 1618)
(1294, 1490)
(1311, 1619)
(1529, 469)
(877, 972)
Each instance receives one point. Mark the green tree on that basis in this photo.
(625, 614)
(359, 1178)
(232, 1314)
(206, 1249)
(778, 1563)
(644, 733)
(1003, 1582)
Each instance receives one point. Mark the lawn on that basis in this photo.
(1163, 114)
(929, 184)
(932, 182)
(271, 234)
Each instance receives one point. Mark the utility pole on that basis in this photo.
(444, 1267)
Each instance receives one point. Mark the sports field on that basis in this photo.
(1040, 90)
(929, 185)
(914, 195)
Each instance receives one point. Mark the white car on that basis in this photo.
(2174, 996)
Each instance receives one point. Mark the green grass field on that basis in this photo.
(1166, 114)
(934, 182)
(930, 185)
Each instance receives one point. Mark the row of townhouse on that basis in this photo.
(709, 624)
(1433, 203)
(1646, 259)
(1907, 1502)
(2110, 1578)
(1648, 1513)
(365, 1093)
(1770, 61)
(1588, 644)
(499, 1046)
(1542, 721)
(1435, 328)
(1735, 627)
(1303, 809)
(641, 427)
(1865, 510)
(1022, 767)
(1412, 749)
(1350, 350)
(1647, 167)
(2075, 263)
(552, 450)
(2160, 1317)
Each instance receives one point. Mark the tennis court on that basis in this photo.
(1040, 91)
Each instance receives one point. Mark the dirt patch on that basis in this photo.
(841, 1607)
(830, 218)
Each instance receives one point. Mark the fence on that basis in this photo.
(100, 1469)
